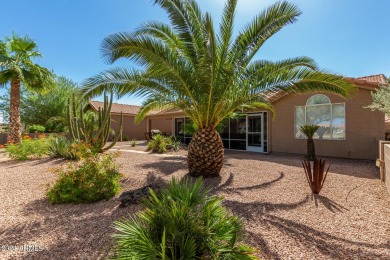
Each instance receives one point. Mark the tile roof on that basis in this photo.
(372, 81)
(117, 108)
(380, 78)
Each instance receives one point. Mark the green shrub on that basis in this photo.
(125, 138)
(27, 149)
(36, 129)
(175, 144)
(79, 150)
(162, 144)
(133, 143)
(158, 144)
(181, 222)
(96, 178)
(61, 147)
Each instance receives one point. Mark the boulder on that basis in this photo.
(135, 196)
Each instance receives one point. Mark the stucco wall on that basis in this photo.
(363, 128)
(129, 127)
(387, 166)
(163, 124)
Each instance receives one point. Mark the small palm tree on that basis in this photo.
(309, 131)
(16, 68)
(182, 222)
(206, 73)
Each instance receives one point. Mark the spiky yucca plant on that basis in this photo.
(207, 73)
(309, 131)
(181, 222)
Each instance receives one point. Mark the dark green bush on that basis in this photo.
(59, 148)
(36, 129)
(181, 222)
(125, 138)
(175, 144)
(162, 144)
(96, 178)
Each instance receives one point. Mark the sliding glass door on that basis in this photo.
(248, 132)
(255, 133)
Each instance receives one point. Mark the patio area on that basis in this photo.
(349, 219)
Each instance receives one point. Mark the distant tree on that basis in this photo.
(47, 109)
(381, 99)
(17, 69)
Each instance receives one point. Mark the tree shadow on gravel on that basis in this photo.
(49, 160)
(350, 167)
(327, 244)
(216, 185)
(167, 165)
(328, 203)
(34, 162)
(75, 231)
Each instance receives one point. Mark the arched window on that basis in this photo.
(320, 111)
(318, 99)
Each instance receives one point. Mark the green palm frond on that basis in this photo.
(263, 26)
(208, 74)
(16, 54)
(182, 222)
(309, 130)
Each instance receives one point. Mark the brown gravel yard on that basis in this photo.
(349, 220)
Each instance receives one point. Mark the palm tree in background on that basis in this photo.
(208, 75)
(309, 131)
(16, 68)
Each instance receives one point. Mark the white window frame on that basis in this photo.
(331, 119)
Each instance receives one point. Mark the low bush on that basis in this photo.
(36, 129)
(181, 222)
(133, 143)
(162, 144)
(125, 138)
(95, 178)
(61, 147)
(175, 144)
(27, 149)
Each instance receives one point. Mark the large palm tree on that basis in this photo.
(207, 74)
(16, 68)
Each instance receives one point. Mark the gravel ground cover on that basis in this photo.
(348, 220)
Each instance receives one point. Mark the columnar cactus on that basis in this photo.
(80, 130)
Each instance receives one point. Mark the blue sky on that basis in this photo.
(348, 37)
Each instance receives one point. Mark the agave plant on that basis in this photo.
(181, 222)
(309, 131)
(207, 73)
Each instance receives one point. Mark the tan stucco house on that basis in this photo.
(348, 130)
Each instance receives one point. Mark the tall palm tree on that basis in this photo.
(16, 67)
(207, 74)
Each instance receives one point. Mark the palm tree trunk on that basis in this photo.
(311, 152)
(205, 153)
(14, 135)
